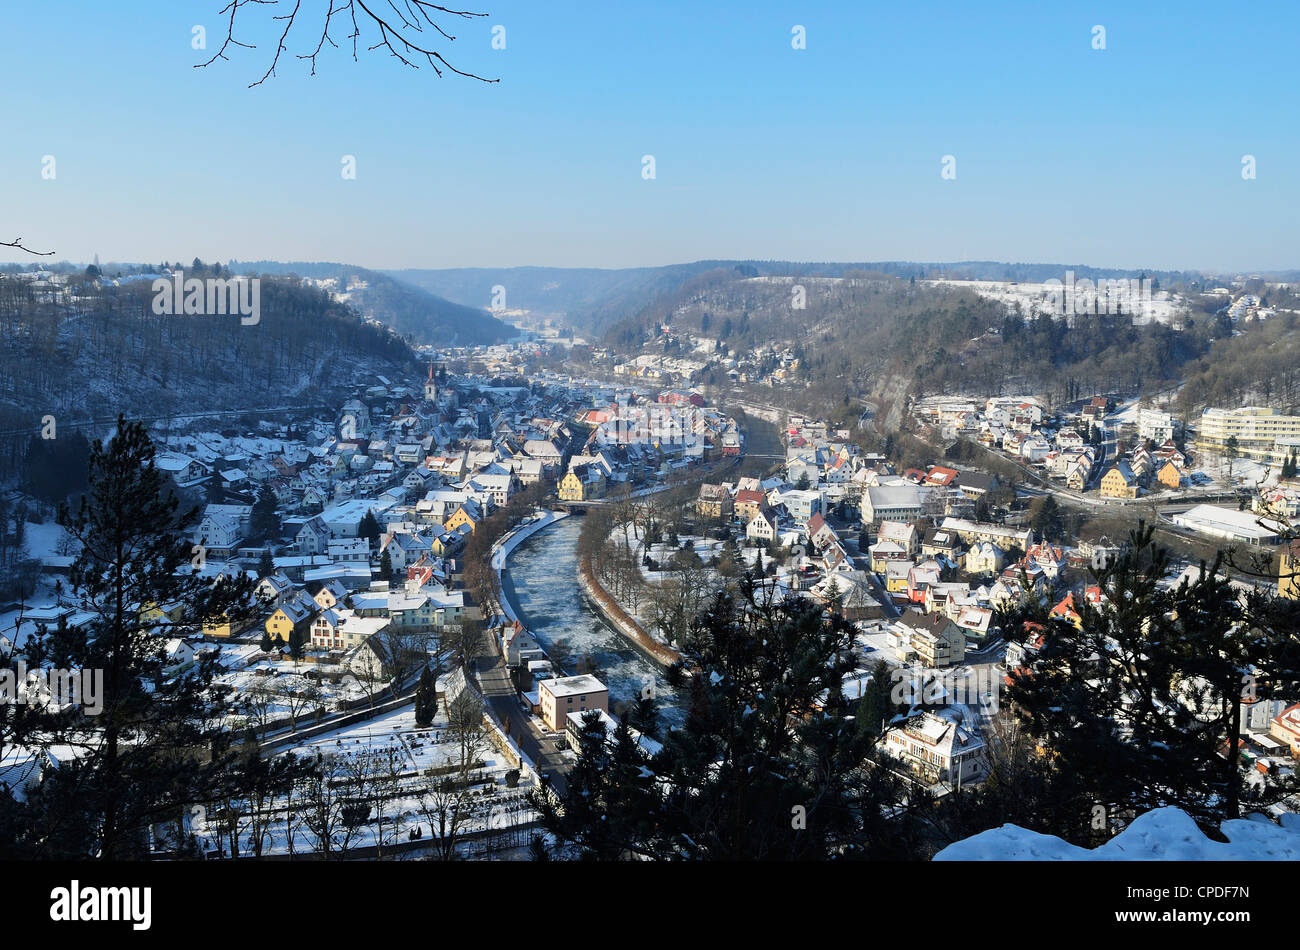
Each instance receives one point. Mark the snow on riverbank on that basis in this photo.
(506, 546)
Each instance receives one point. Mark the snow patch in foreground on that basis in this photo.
(1162, 834)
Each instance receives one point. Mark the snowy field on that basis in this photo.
(394, 745)
(1161, 308)
(278, 679)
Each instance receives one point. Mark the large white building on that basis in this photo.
(892, 503)
(939, 748)
(1155, 425)
(1228, 524)
(1261, 433)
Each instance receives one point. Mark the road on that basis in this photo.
(499, 692)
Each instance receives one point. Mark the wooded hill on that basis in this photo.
(409, 309)
(854, 332)
(91, 350)
(591, 299)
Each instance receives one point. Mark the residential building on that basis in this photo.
(748, 503)
(582, 483)
(1257, 430)
(714, 501)
(1155, 425)
(942, 543)
(762, 527)
(1285, 727)
(1119, 482)
(984, 557)
(939, 748)
(820, 533)
(932, 640)
(296, 613)
(1171, 475)
(569, 694)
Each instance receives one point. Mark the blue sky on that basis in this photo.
(1129, 156)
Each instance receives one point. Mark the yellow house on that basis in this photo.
(896, 576)
(166, 614)
(1170, 474)
(571, 487)
(225, 628)
(297, 612)
(581, 483)
(462, 516)
(1119, 482)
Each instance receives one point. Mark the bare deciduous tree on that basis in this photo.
(297, 699)
(373, 777)
(323, 801)
(447, 803)
(258, 702)
(409, 33)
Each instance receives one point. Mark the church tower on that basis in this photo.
(430, 387)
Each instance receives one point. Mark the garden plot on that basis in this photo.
(270, 696)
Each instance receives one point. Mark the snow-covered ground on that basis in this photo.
(284, 677)
(1031, 296)
(42, 541)
(396, 743)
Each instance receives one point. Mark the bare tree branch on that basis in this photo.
(400, 32)
(18, 243)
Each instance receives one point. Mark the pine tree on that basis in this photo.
(426, 699)
(264, 521)
(877, 708)
(216, 489)
(770, 764)
(156, 745)
(643, 715)
(369, 528)
(1142, 706)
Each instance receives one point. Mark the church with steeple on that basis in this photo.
(430, 387)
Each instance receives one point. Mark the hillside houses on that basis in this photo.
(1066, 446)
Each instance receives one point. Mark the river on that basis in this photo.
(541, 579)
